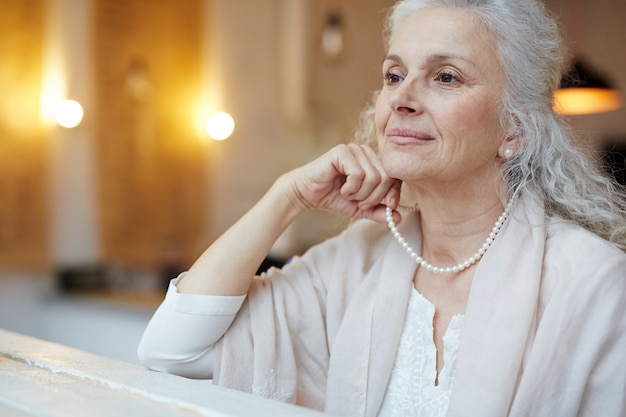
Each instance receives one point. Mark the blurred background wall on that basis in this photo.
(111, 209)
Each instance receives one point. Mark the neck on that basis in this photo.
(459, 266)
(452, 230)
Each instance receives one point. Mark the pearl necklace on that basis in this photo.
(461, 266)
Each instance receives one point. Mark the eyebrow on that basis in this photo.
(393, 57)
(434, 58)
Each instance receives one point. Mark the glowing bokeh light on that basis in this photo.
(69, 113)
(220, 126)
(575, 101)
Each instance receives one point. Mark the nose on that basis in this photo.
(405, 98)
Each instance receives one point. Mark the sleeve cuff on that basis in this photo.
(213, 305)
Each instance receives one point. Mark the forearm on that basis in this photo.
(229, 264)
(348, 180)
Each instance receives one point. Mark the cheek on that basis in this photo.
(381, 115)
(480, 116)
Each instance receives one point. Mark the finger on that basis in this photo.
(355, 168)
(363, 185)
(381, 186)
(392, 198)
(378, 214)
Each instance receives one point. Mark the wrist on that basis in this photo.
(286, 193)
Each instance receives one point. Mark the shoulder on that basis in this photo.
(578, 246)
(580, 259)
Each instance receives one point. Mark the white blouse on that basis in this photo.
(179, 340)
(411, 390)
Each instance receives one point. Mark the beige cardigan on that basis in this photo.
(544, 333)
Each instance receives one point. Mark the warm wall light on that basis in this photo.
(69, 113)
(576, 101)
(220, 126)
(584, 91)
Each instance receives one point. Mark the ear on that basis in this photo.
(513, 142)
(509, 147)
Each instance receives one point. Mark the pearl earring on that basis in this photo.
(508, 153)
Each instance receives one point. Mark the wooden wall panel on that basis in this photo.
(151, 170)
(24, 151)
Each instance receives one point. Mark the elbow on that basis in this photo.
(156, 360)
(148, 358)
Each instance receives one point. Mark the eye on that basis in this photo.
(389, 78)
(447, 77)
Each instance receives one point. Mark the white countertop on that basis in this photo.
(41, 378)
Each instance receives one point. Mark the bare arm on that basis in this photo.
(348, 180)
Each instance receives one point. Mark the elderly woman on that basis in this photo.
(499, 293)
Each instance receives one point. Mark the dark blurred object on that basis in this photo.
(269, 262)
(85, 278)
(168, 272)
(81, 278)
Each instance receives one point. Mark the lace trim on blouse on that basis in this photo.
(412, 390)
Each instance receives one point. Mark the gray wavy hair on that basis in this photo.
(550, 166)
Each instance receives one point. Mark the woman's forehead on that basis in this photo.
(437, 32)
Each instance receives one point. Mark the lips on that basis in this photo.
(400, 136)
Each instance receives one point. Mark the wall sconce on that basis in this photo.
(584, 91)
(220, 126)
(333, 42)
(138, 84)
(69, 113)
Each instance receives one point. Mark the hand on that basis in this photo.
(348, 180)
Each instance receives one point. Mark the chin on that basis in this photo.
(399, 166)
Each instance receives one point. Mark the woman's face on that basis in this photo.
(437, 115)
